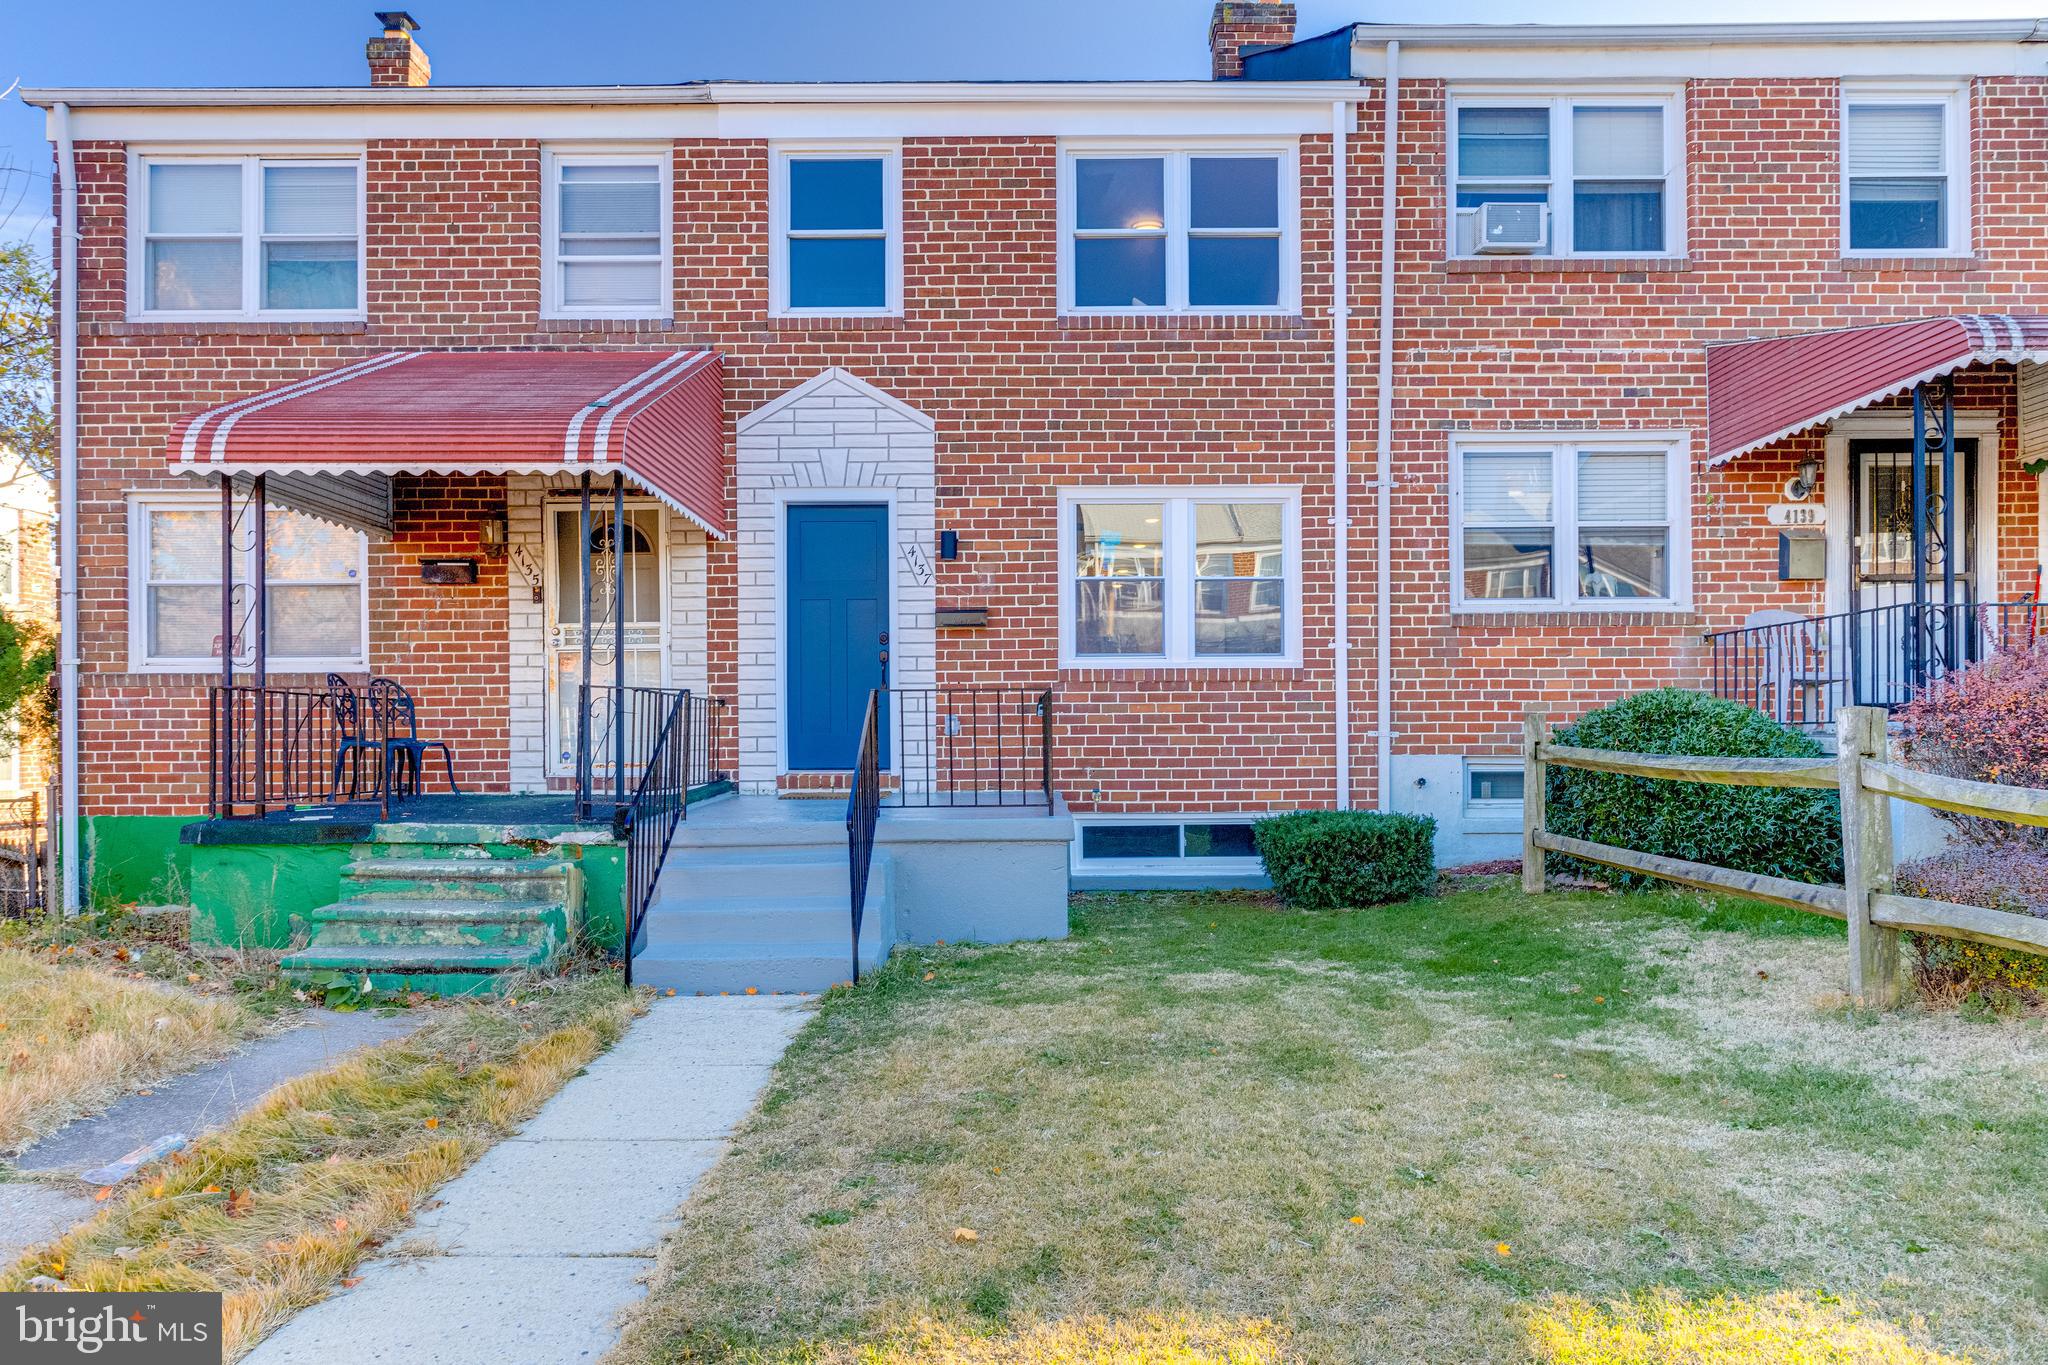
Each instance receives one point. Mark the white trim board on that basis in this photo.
(1980, 426)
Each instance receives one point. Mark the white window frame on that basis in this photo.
(780, 155)
(1560, 102)
(1176, 153)
(1177, 542)
(1479, 812)
(1181, 866)
(252, 163)
(12, 525)
(140, 505)
(1563, 447)
(1954, 97)
(638, 154)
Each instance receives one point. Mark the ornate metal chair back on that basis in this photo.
(341, 699)
(391, 707)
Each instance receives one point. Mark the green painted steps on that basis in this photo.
(443, 916)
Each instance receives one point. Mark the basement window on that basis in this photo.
(1187, 845)
(1493, 791)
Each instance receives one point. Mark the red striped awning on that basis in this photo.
(656, 416)
(1763, 391)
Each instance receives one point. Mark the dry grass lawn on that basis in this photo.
(1585, 1130)
(275, 1208)
(73, 1038)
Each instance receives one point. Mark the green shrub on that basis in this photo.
(1778, 831)
(2009, 876)
(1334, 859)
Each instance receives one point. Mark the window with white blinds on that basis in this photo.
(1589, 522)
(248, 237)
(606, 232)
(1900, 171)
(1607, 170)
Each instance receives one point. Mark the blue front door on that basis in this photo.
(837, 625)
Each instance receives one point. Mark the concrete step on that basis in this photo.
(416, 958)
(735, 919)
(405, 909)
(485, 869)
(688, 969)
(699, 875)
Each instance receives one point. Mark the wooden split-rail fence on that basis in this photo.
(1862, 771)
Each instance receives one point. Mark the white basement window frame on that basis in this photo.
(1157, 844)
(1535, 490)
(565, 252)
(1181, 576)
(1486, 804)
(1181, 235)
(1884, 145)
(783, 237)
(145, 577)
(242, 216)
(1582, 155)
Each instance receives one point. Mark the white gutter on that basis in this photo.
(1383, 477)
(1341, 116)
(71, 850)
(937, 92)
(1370, 37)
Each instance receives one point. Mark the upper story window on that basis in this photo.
(605, 235)
(1180, 576)
(836, 214)
(1181, 231)
(1590, 521)
(247, 236)
(313, 583)
(1905, 158)
(1570, 175)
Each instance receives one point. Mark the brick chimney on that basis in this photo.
(1238, 24)
(395, 59)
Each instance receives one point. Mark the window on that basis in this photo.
(10, 555)
(1904, 153)
(247, 237)
(1192, 845)
(1600, 173)
(605, 224)
(1595, 521)
(1179, 578)
(1180, 231)
(836, 213)
(314, 586)
(1493, 790)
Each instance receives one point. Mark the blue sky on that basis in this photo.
(320, 42)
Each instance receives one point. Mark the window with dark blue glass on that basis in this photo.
(1178, 230)
(837, 237)
(1898, 181)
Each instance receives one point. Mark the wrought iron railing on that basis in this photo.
(24, 853)
(968, 746)
(614, 739)
(863, 807)
(1802, 672)
(271, 748)
(659, 803)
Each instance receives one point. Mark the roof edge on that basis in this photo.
(1702, 35)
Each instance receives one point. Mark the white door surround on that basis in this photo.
(833, 438)
(1983, 427)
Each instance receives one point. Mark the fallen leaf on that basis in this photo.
(102, 1196)
(238, 1203)
(433, 1123)
(211, 1189)
(1502, 1249)
(753, 990)
(351, 1282)
(966, 1235)
(929, 975)
(1357, 1220)
(670, 992)
(341, 1225)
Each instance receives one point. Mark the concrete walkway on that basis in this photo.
(34, 1212)
(531, 1254)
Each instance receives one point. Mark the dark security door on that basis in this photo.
(837, 626)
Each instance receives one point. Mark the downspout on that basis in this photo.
(1341, 116)
(1383, 478)
(71, 850)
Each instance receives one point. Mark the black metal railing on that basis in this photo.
(1802, 672)
(274, 747)
(612, 740)
(863, 807)
(659, 803)
(968, 746)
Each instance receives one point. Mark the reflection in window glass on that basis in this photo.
(1130, 841)
(1238, 550)
(1119, 581)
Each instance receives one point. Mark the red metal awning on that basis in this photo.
(1763, 391)
(658, 416)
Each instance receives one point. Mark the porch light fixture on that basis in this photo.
(1801, 485)
(492, 533)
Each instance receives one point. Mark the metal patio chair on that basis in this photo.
(1800, 668)
(404, 750)
(353, 743)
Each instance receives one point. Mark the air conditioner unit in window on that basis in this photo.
(1511, 229)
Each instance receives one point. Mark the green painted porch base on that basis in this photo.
(426, 983)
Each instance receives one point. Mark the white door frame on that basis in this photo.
(783, 499)
(1980, 426)
(550, 547)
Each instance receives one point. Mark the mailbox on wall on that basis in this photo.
(1802, 556)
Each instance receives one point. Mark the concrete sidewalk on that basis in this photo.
(530, 1255)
